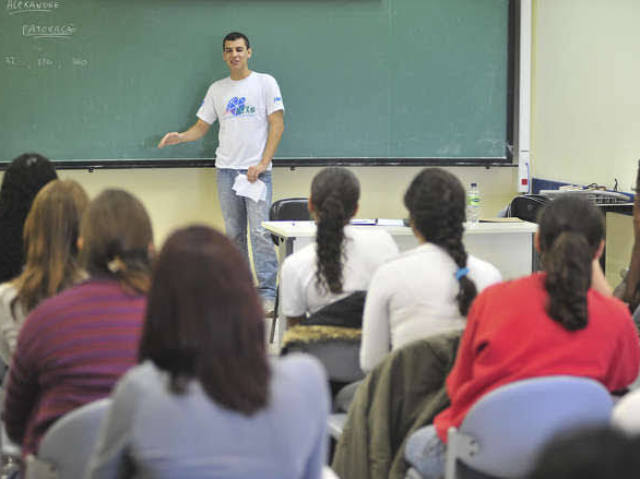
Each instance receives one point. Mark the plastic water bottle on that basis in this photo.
(473, 204)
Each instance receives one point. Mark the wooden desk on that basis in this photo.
(508, 246)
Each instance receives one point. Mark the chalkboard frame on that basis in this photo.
(505, 161)
(291, 163)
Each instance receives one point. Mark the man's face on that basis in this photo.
(236, 55)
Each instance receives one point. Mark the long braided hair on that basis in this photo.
(334, 198)
(570, 231)
(436, 203)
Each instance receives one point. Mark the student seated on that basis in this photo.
(205, 400)
(548, 323)
(343, 258)
(73, 347)
(21, 182)
(50, 244)
(427, 290)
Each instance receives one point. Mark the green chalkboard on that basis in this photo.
(101, 80)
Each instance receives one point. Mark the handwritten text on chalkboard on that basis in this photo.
(21, 6)
(48, 31)
(44, 62)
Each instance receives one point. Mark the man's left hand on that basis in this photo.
(254, 171)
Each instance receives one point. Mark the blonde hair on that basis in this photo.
(50, 242)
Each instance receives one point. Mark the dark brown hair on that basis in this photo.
(570, 231)
(436, 203)
(50, 242)
(204, 320)
(21, 182)
(116, 236)
(334, 196)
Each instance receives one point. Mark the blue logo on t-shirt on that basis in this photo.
(277, 99)
(236, 106)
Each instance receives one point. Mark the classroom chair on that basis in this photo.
(340, 358)
(11, 455)
(67, 446)
(286, 209)
(289, 209)
(10, 451)
(333, 335)
(527, 207)
(504, 431)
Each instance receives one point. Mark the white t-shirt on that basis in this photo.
(242, 108)
(364, 250)
(413, 297)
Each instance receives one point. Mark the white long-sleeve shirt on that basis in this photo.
(413, 297)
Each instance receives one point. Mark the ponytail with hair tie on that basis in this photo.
(117, 235)
(116, 265)
(462, 272)
(436, 202)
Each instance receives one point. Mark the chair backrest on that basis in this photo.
(68, 444)
(512, 423)
(294, 209)
(289, 209)
(340, 358)
(527, 207)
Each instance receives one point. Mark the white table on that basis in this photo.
(508, 246)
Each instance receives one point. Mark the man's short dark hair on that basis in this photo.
(230, 37)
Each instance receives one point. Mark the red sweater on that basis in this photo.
(510, 337)
(71, 350)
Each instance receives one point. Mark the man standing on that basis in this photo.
(249, 107)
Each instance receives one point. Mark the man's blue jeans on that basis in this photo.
(237, 211)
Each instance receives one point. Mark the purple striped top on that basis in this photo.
(71, 350)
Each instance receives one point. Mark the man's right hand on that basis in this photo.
(171, 138)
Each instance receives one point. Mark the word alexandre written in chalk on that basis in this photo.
(52, 31)
(20, 6)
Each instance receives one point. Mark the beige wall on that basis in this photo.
(586, 98)
(586, 101)
(177, 196)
